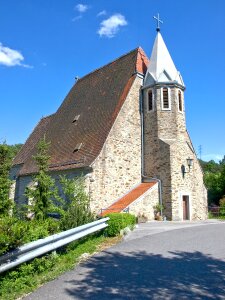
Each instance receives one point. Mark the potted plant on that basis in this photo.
(157, 211)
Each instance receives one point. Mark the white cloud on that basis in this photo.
(81, 7)
(110, 26)
(10, 57)
(76, 18)
(101, 13)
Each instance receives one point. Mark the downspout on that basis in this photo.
(142, 134)
(142, 154)
(159, 187)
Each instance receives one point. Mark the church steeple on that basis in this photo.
(161, 67)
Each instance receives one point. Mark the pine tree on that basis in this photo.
(5, 164)
(43, 191)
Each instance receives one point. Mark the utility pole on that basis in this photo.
(200, 151)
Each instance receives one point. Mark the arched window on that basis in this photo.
(180, 103)
(150, 100)
(165, 96)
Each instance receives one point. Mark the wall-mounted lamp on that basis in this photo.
(189, 163)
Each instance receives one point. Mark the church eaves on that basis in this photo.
(97, 98)
(161, 68)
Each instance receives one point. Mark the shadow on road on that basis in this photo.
(146, 276)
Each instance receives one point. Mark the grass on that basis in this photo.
(218, 217)
(29, 276)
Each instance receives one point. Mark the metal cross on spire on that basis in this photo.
(158, 22)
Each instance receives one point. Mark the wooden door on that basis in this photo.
(186, 215)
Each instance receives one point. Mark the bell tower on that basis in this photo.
(163, 117)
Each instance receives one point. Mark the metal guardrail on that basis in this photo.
(125, 210)
(50, 243)
(216, 211)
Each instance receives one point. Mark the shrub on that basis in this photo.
(222, 207)
(119, 221)
(15, 232)
(37, 230)
(76, 210)
(12, 233)
(5, 163)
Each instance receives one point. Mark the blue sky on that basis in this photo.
(45, 44)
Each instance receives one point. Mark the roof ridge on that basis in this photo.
(14, 162)
(113, 61)
(46, 117)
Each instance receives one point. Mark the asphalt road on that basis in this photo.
(159, 260)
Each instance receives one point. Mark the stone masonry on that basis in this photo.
(166, 139)
(118, 167)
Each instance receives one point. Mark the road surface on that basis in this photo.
(159, 260)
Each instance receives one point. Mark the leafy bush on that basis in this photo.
(76, 210)
(12, 233)
(5, 163)
(24, 278)
(37, 230)
(15, 232)
(222, 207)
(119, 221)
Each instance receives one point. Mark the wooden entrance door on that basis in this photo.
(186, 214)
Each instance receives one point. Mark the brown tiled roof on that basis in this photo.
(127, 199)
(97, 99)
(35, 136)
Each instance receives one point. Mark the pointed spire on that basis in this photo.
(161, 67)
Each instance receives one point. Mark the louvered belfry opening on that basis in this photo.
(150, 100)
(165, 98)
(180, 101)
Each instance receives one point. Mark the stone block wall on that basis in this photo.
(118, 167)
(18, 187)
(190, 184)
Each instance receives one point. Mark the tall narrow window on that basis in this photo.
(150, 100)
(180, 104)
(165, 98)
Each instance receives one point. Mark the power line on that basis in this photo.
(200, 151)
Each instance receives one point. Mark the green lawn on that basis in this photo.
(29, 276)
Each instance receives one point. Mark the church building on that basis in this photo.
(123, 128)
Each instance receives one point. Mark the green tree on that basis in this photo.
(14, 149)
(42, 193)
(5, 164)
(214, 178)
(222, 161)
(213, 184)
(222, 180)
(76, 208)
(210, 166)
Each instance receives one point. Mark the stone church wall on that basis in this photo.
(19, 186)
(191, 184)
(118, 167)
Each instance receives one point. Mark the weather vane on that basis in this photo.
(158, 22)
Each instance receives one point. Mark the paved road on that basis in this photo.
(159, 260)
